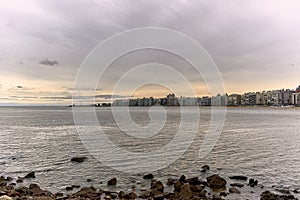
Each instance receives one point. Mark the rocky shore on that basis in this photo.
(183, 188)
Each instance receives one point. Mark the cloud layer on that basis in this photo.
(255, 44)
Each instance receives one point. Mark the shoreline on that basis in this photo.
(213, 187)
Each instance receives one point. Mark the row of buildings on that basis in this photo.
(265, 98)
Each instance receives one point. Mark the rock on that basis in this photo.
(237, 185)
(89, 180)
(5, 197)
(205, 168)
(185, 192)
(75, 186)
(112, 182)
(20, 180)
(78, 159)
(131, 195)
(196, 188)
(223, 194)
(68, 188)
(193, 181)
(234, 190)
(267, 195)
(30, 175)
(177, 186)
(296, 191)
(148, 176)
(158, 197)
(252, 182)
(145, 195)
(283, 191)
(121, 194)
(156, 187)
(35, 190)
(243, 178)
(170, 195)
(22, 190)
(182, 179)
(9, 178)
(215, 181)
(170, 181)
(85, 191)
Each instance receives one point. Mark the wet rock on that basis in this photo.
(252, 182)
(78, 159)
(145, 195)
(234, 190)
(182, 179)
(296, 191)
(215, 181)
(156, 187)
(267, 195)
(148, 176)
(196, 188)
(20, 180)
(30, 175)
(158, 197)
(22, 190)
(237, 185)
(35, 190)
(68, 188)
(283, 191)
(89, 180)
(121, 194)
(112, 182)
(85, 191)
(171, 181)
(185, 192)
(205, 168)
(193, 181)
(131, 195)
(243, 178)
(177, 186)
(223, 194)
(9, 178)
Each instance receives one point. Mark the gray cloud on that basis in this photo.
(49, 62)
(245, 39)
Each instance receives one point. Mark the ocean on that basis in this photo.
(260, 143)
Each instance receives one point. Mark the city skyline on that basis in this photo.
(254, 45)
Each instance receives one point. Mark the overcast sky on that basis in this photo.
(255, 44)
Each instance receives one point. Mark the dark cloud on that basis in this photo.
(49, 62)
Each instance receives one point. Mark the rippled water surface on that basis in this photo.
(262, 143)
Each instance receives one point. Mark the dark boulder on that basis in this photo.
(156, 187)
(205, 168)
(243, 178)
(215, 181)
(112, 182)
(182, 179)
(171, 181)
(30, 175)
(252, 182)
(193, 181)
(78, 159)
(148, 176)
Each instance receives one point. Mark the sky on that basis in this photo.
(255, 44)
